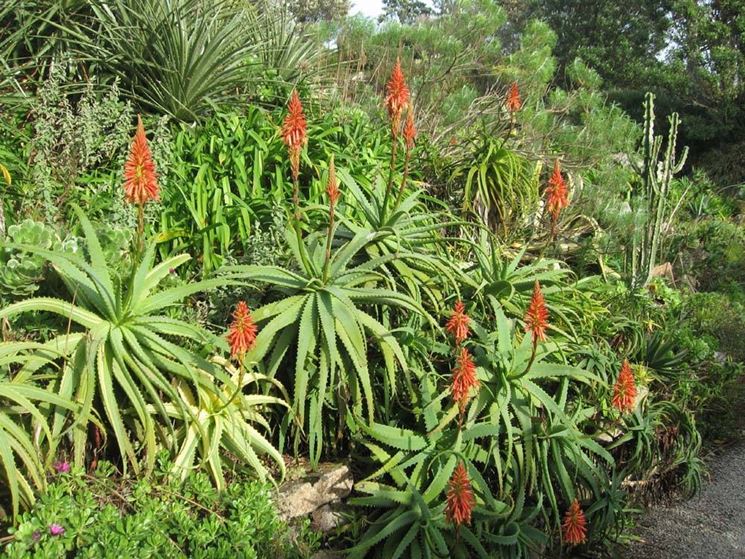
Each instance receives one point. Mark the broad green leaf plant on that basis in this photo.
(22, 465)
(319, 329)
(122, 352)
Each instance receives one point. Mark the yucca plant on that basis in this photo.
(517, 386)
(128, 352)
(409, 490)
(177, 57)
(506, 283)
(499, 185)
(22, 411)
(411, 231)
(224, 421)
(410, 519)
(319, 327)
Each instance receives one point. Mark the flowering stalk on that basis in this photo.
(458, 323)
(295, 136)
(557, 196)
(574, 527)
(409, 137)
(463, 380)
(396, 100)
(513, 104)
(241, 339)
(332, 190)
(460, 498)
(624, 391)
(140, 179)
(536, 320)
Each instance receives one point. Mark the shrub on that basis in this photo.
(129, 365)
(106, 516)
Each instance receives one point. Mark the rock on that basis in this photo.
(336, 482)
(297, 499)
(328, 517)
(330, 484)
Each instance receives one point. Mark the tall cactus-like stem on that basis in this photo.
(656, 176)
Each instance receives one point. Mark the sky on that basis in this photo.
(369, 8)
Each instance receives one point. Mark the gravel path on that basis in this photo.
(709, 526)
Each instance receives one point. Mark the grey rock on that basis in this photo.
(328, 517)
(330, 484)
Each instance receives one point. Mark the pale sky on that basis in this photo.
(369, 8)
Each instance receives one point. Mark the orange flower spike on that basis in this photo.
(460, 498)
(463, 378)
(536, 317)
(140, 177)
(242, 331)
(574, 527)
(624, 391)
(294, 132)
(409, 129)
(332, 187)
(513, 101)
(397, 96)
(458, 323)
(557, 193)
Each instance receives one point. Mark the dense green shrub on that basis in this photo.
(106, 516)
(712, 253)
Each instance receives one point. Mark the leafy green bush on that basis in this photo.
(105, 516)
(229, 178)
(712, 253)
(125, 370)
(21, 397)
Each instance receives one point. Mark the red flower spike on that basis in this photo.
(463, 378)
(140, 178)
(242, 331)
(409, 129)
(536, 317)
(294, 132)
(458, 323)
(397, 96)
(332, 187)
(574, 527)
(624, 391)
(460, 499)
(557, 193)
(513, 101)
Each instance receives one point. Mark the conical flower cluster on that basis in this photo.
(458, 322)
(513, 101)
(140, 178)
(460, 498)
(397, 96)
(409, 129)
(294, 132)
(242, 331)
(557, 193)
(574, 527)
(624, 391)
(536, 317)
(463, 378)
(332, 186)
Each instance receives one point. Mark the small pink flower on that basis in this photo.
(62, 467)
(56, 530)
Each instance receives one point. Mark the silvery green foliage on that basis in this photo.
(72, 138)
(22, 272)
